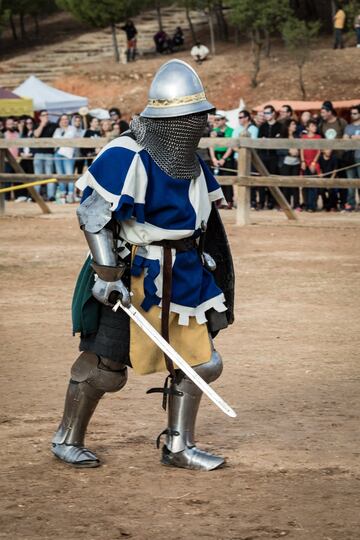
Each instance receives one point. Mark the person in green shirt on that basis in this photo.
(222, 157)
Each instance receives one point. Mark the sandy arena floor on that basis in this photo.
(291, 372)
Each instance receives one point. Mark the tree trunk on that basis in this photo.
(212, 35)
(115, 43)
(13, 27)
(301, 81)
(159, 18)
(267, 44)
(22, 25)
(191, 26)
(218, 28)
(237, 36)
(222, 23)
(257, 44)
(36, 24)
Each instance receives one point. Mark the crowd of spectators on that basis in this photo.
(292, 162)
(62, 160)
(222, 160)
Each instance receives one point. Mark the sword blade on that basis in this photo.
(154, 335)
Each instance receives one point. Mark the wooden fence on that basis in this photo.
(242, 181)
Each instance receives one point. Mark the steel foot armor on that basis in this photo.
(183, 405)
(91, 377)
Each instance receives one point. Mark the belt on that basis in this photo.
(184, 244)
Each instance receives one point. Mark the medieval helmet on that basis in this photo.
(176, 90)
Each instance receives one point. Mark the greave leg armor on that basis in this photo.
(184, 400)
(91, 377)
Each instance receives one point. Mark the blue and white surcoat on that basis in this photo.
(152, 206)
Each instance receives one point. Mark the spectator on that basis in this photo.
(352, 131)
(21, 124)
(2, 126)
(310, 165)
(178, 37)
(339, 25)
(269, 130)
(162, 42)
(304, 118)
(43, 157)
(259, 119)
(64, 158)
(357, 29)
(26, 154)
(247, 128)
(93, 133)
(289, 163)
(115, 116)
(333, 127)
(106, 128)
(223, 157)
(79, 133)
(328, 165)
(115, 133)
(130, 30)
(286, 113)
(10, 133)
(199, 52)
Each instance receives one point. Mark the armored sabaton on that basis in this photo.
(175, 94)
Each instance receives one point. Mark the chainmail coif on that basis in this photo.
(172, 142)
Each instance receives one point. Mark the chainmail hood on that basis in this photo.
(172, 142)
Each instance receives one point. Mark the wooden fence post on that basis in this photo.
(243, 192)
(35, 195)
(2, 169)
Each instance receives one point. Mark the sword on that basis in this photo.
(154, 335)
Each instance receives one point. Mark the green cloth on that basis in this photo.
(227, 133)
(85, 308)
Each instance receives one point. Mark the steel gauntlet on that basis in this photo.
(108, 287)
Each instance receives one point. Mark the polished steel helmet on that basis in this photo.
(176, 91)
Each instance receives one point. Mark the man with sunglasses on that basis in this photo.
(352, 131)
(44, 157)
(115, 117)
(247, 128)
(269, 130)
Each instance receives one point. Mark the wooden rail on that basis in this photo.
(206, 142)
(242, 182)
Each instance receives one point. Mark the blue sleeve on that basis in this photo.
(212, 184)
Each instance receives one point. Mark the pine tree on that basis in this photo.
(299, 36)
(259, 19)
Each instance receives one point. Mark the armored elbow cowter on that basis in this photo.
(94, 214)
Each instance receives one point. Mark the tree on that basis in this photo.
(20, 9)
(259, 18)
(4, 16)
(299, 37)
(102, 13)
(207, 6)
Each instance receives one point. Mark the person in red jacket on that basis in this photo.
(310, 165)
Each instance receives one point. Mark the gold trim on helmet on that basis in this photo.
(185, 100)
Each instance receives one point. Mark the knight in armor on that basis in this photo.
(149, 218)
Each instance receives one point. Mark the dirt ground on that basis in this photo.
(291, 373)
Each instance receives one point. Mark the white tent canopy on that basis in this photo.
(232, 115)
(46, 97)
